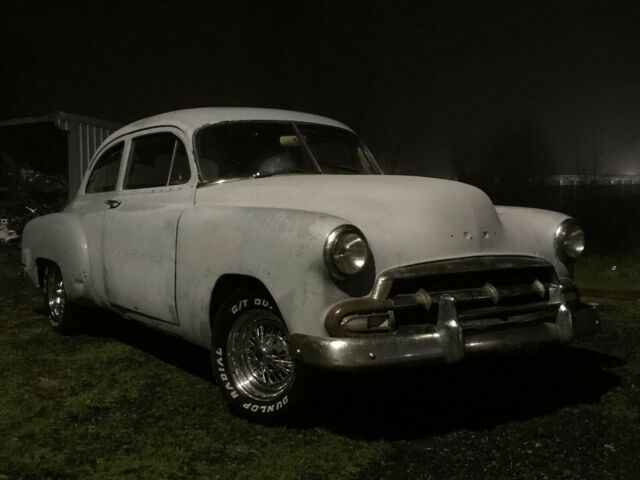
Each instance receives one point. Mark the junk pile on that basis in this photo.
(25, 195)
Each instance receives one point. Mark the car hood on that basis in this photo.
(406, 219)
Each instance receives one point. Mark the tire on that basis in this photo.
(251, 362)
(62, 313)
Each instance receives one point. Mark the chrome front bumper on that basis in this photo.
(549, 312)
(449, 343)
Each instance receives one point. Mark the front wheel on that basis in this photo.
(251, 360)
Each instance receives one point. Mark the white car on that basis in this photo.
(274, 239)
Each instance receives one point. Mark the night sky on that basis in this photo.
(420, 82)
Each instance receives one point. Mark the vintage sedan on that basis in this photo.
(274, 239)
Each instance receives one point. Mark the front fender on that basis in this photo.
(282, 248)
(540, 226)
(60, 238)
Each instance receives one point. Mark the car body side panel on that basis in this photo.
(139, 251)
(281, 248)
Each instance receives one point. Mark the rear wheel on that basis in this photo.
(62, 313)
(251, 360)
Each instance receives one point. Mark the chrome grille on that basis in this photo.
(483, 298)
(482, 291)
(475, 279)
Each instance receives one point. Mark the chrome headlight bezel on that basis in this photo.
(569, 240)
(333, 242)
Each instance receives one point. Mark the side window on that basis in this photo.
(104, 176)
(157, 160)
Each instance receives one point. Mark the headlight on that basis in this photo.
(345, 251)
(569, 239)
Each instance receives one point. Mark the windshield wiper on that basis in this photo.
(281, 172)
(342, 167)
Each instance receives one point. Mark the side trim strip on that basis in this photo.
(128, 311)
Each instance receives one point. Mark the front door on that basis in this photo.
(140, 228)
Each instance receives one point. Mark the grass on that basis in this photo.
(609, 272)
(122, 401)
(93, 407)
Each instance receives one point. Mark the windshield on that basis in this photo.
(259, 149)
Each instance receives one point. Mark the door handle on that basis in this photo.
(113, 203)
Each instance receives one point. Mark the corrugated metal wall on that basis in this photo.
(89, 138)
(84, 136)
(84, 139)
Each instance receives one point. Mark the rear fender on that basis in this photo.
(58, 238)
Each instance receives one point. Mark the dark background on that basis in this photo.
(500, 94)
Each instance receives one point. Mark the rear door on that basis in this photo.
(140, 229)
(90, 207)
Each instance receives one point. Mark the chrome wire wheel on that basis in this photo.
(258, 356)
(56, 296)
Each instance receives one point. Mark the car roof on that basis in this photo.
(191, 119)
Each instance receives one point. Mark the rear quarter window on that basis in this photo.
(104, 176)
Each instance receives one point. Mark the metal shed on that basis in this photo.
(56, 143)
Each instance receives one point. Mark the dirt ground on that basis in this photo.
(119, 400)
